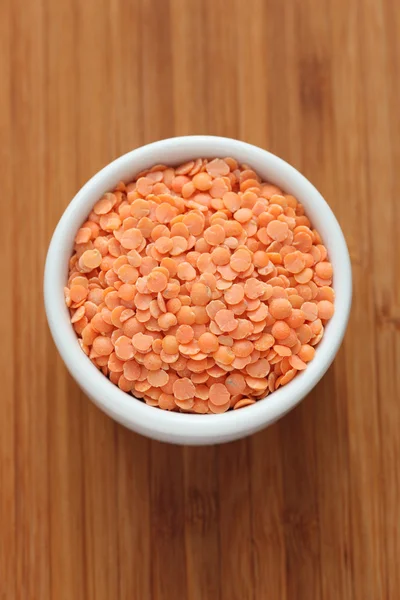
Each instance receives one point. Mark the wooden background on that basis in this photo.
(308, 509)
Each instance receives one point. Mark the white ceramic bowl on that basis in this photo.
(135, 414)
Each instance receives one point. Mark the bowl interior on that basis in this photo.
(134, 413)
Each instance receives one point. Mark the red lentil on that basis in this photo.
(200, 288)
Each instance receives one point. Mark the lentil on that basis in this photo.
(200, 288)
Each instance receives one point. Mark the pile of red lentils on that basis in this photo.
(199, 288)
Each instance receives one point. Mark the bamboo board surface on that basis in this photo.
(307, 509)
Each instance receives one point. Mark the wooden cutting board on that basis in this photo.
(307, 509)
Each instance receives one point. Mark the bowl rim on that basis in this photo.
(134, 413)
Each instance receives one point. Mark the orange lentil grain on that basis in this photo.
(208, 343)
(78, 293)
(280, 330)
(202, 181)
(224, 355)
(124, 348)
(234, 294)
(170, 344)
(142, 342)
(325, 309)
(219, 394)
(324, 270)
(221, 408)
(306, 353)
(296, 362)
(186, 316)
(304, 333)
(310, 311)
(260, 368)
(280, 308)
(183, 389)
(157, 378)
(225, 320)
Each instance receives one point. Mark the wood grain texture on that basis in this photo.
(308, 509)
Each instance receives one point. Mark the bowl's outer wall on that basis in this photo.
(172, 427)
